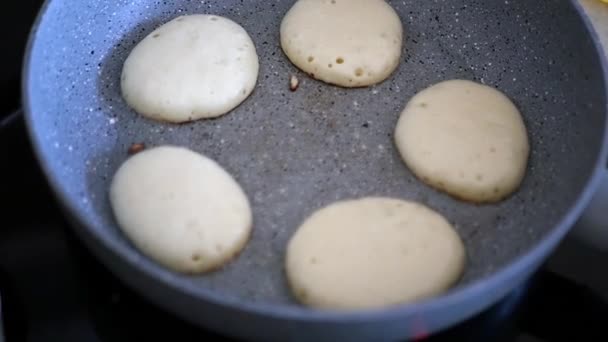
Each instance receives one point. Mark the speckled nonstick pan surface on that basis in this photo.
(294, 152)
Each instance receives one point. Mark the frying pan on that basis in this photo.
(294, 152)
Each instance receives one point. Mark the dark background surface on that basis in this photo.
(17, 19)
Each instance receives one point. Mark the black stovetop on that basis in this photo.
(53, 289)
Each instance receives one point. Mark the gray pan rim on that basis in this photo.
(492, 281)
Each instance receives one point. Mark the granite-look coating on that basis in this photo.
(294, 152)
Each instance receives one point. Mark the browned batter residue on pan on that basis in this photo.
(136, 148)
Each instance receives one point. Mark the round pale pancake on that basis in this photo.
(350, 43)
(181, 209)
(193, 67)
(372, 253)
(466, 139)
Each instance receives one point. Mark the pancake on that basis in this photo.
(181, 209)
(372, 253)
(193, 67)
(349, 43)
(466, 139)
